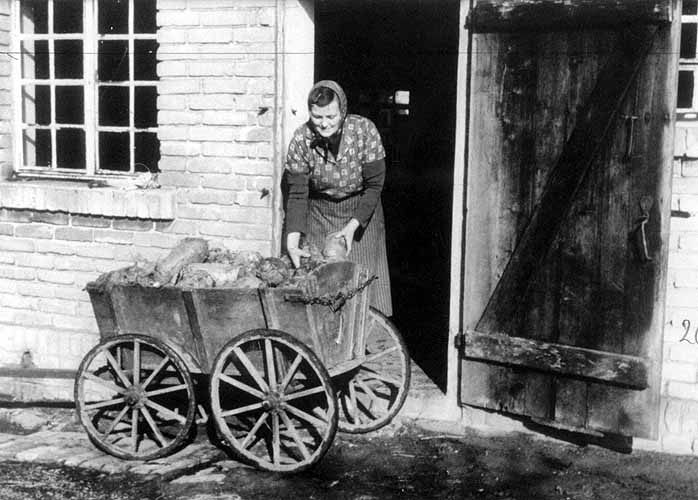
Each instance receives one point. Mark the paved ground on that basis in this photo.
(53, 436)
(73, 449)
(405, 461)
(45, 455)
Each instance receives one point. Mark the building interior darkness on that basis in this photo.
(397, 61)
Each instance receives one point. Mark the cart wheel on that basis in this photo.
(272, 401)
(371, 395)
(135, 397)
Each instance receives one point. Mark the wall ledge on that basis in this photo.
(78, 198)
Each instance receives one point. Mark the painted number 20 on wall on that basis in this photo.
(687, 337)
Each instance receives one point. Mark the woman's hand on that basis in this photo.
(295, 253)
(347, 232)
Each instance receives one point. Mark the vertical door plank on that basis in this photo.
(519, 102)
(478, 381)
(577, 239)
(634, 412)
(540, 307)
(506, 83)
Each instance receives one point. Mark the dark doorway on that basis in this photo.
(397, 61)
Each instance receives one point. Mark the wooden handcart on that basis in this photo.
(273, 371)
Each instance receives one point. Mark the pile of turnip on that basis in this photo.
(193, 264)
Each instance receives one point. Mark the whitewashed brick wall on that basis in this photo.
(217, 113)
(679, 410)
(217, 123)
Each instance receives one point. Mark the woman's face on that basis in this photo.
(326, 119)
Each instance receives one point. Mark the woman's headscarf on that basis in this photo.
(323, 143)
(339, 92)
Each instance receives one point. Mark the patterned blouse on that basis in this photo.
(340, 176)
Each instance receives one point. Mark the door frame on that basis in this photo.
(295, 71)
(295, 75)
(459, 215)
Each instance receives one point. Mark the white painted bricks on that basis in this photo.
(217, 108)
(679, 407)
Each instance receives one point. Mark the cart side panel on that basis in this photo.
(104, 312)
(331, 331)
(293, 317)
(361, 325)
(339, 331)
(156, 312)
(225, 313)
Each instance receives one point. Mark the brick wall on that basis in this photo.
(679, 411)
(217, 114)
(46, 258)
(217, 126)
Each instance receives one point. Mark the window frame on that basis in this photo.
(691, 65)
(89, 82)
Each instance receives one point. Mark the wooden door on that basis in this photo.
(569, 170)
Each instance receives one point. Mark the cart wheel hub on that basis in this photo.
(273, 401)
(135, 396)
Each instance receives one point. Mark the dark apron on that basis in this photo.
(327, 216)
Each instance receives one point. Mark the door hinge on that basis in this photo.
(459, 340)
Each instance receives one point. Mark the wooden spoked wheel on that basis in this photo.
(135, 397)
(372, 394)
(272, 401)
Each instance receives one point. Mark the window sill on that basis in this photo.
(79, 198)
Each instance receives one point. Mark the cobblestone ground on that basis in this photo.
(73, 449)
(38, 445)
(50, 436)
(45, 455)
(404, 461)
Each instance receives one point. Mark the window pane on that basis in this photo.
(36, 104)
(113, 106)
(146, 112)
(145, 59)
(70, 148)
(113, 61)
(114, 151)
(35, 59)
(685, 95)
(67, 16)
(144, 16)
(113, 16)
(690, 7)
(70, 107)
(36, 147)
(688, 40)
(147, 151)
(68, 58)
(34, 16)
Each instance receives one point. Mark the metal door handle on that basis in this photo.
(640, 233)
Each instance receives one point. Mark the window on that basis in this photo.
(687, 100)
(86, 86)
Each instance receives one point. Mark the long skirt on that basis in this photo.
(326, 216)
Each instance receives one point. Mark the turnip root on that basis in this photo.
(187, 251)
(335, 248)
(209, 274)
(247, 282)
(273, 271)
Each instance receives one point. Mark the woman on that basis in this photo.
(335, 169)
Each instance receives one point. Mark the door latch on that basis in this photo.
(630, 124)
(639, 233)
